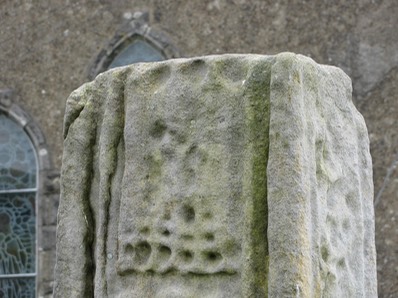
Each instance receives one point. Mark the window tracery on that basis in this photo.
(18, 224)
(133, 42)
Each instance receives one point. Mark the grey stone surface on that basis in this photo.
(47, 257)
(48, 46)
(48, 237)
(320, 192)
(382, 125)
(219, 176)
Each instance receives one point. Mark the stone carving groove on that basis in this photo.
(185, 238)
(219, 176)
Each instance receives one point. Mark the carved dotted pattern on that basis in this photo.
(165, 234)
(185, 239)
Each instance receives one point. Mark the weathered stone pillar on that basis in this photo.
(219, 176)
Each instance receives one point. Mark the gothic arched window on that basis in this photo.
(134, 42)
(137, 51)
(18, 201)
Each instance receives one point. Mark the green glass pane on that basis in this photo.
(18, 287)
(17, 233)
(17, 156)
(138, 51)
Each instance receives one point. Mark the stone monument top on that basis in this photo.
(218, 176)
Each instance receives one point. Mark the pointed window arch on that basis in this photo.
(138, 50)
(29, 192)
(18, 210)
(134, 42)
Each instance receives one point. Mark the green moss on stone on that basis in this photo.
(258, 92)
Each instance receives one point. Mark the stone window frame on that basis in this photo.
(47, 192)
(136, 28)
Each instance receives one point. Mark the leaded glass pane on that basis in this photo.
(17, 287)
(138, 51)
(17, 156)
(17, 233)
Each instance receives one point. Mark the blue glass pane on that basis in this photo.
(18, 287)
(17, 233)
(138, 51)
(17, 156)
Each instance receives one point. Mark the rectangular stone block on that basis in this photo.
(46, 266)
(49, 207)
(219, 176)
(47, 237)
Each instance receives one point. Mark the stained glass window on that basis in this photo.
(137, 51)
(18, 172)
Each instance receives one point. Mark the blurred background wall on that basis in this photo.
(48, 48)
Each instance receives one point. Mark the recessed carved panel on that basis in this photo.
(216, 177)
(181, 235)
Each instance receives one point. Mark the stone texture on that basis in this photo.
(47, 257)
(320, 193)
(48, 237)
(47, 47)
(382, 120)
(219, 176)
